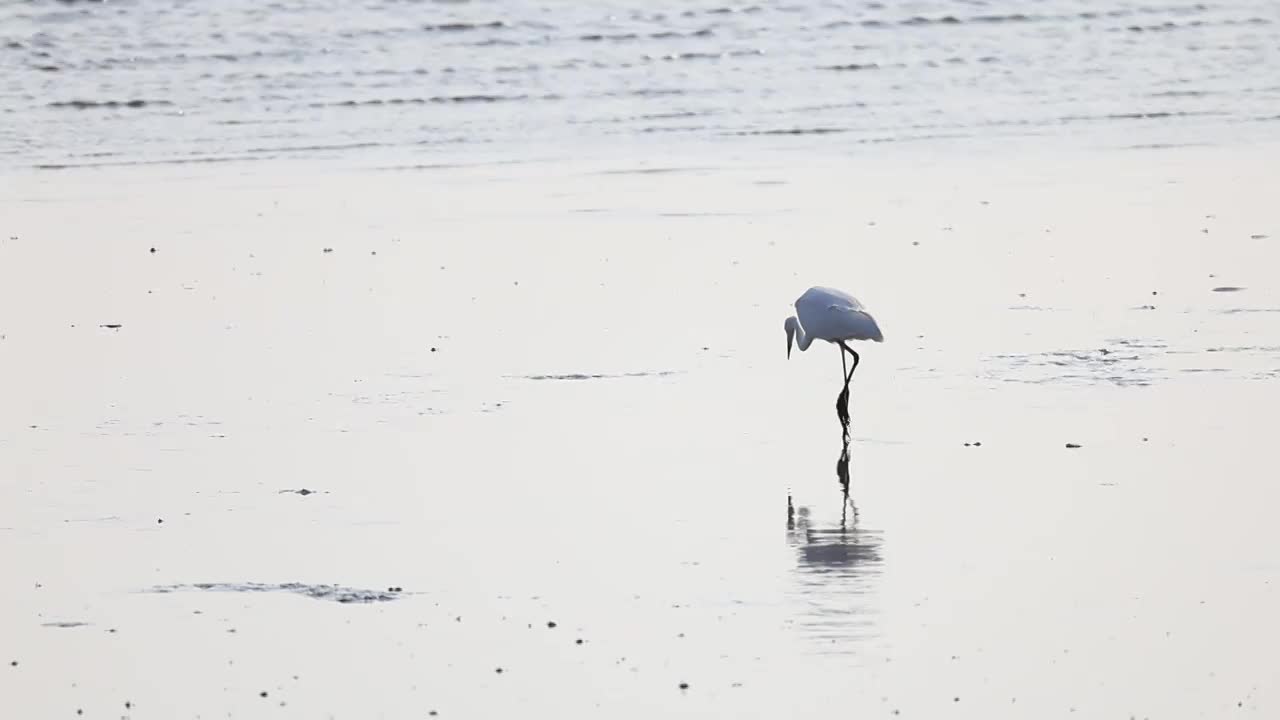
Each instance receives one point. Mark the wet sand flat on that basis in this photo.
(354, 439)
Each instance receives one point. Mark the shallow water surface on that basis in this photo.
(570, 446)
(437, 84)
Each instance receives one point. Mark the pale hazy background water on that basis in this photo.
(394, 82)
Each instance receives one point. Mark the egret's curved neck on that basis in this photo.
(803, 339)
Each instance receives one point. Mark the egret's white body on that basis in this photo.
(831, 315)
(835, 316)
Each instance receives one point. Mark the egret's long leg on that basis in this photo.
(856, 359)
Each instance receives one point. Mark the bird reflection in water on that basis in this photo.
(836, 571)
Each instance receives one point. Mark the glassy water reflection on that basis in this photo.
(838, 565)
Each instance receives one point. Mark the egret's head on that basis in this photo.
(791, 324)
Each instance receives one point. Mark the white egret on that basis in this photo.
(835, 316)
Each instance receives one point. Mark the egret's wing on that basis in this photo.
(830, 314)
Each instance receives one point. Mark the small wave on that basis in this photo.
(464, 26)
(616, 37)
(853, 67)
(704, 55)
(795, 131)
(435, 100)
(920, 20)
(106, 104)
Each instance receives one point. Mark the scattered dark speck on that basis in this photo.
(159, 521)
(578, 641)
(13, 663)
(127, 704)
(498, 670)
(262, 694)
(551, 623)
(433, 349)
(328, 250)
(1251, 237)
(684, 686)
(1228, 288)
(956, 699)
(432, 713)
(111, 326)
(1072, 446)
(153, 251)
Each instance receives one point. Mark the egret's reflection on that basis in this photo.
(837, 567)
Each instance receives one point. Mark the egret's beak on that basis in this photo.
(790, 337)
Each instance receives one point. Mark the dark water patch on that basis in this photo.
(332, 593)
(852, 67)
(107, 104)
(1129, 365)
(1228, 289)
(599, 376)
